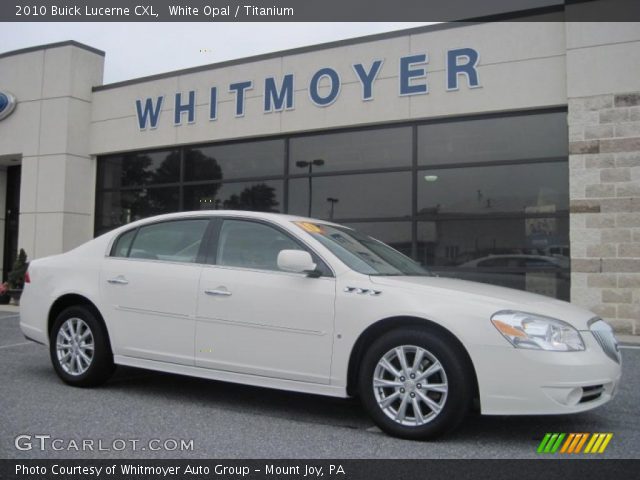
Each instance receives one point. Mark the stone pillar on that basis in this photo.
(603, 89)
(605, 206)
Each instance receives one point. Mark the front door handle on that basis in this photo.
(219, 292)
(119, 280)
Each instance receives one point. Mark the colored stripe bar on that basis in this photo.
(605, 443)
(550, 443)
(596, 446)
(576, 441)
(581, 443)
(567, 442)
(572, 443)
(592, 441)
(556, 446)
(543, 443)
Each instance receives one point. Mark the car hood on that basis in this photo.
(500, 298)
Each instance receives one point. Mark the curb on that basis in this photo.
(631, 340)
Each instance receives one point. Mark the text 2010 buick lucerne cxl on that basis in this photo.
(306, 305)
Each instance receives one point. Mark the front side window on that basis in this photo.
(251, 245)
(176, 241)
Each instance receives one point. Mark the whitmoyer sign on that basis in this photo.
(323, 87)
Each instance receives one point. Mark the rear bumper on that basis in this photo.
(33, 318)
(533, 382)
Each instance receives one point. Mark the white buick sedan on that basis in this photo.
(310, 306)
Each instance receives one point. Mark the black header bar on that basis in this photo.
(309, 469)
(317, 11)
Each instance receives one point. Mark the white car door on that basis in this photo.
(253, 318)
(149, 285)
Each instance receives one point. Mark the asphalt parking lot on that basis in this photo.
(233, 421)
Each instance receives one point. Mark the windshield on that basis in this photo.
(362, 253)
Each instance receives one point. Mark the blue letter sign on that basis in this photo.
(407, 73)
(314, 87)
(367, 79)
(468, 68)
(150, 112)
(278, 101)
(239, 88)
(189, 107)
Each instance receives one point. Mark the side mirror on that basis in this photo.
(296, 261)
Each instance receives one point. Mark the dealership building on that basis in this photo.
(502, 152)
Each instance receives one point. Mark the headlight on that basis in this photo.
(603, 333)
(527, 330)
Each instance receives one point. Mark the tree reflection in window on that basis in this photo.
(201, 166)
(259, 197)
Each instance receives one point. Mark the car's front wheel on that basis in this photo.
(414, 384)
(79, 348)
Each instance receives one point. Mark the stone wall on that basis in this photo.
(604, 165)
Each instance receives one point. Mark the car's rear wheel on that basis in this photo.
(414, 384)
(79, 348)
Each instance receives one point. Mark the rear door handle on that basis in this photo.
(119, 280)
(219, 292)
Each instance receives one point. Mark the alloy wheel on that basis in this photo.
(75, 346)
(410, 385)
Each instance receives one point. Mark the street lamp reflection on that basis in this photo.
(318, 162)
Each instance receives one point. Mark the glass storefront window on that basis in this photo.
(117, 208)
(522, 137)
(367, 149)
(486, 191)
(140, 168)
(352, 196)
(510, 252)
(505, 225)
(258, 196)
(487, 199)
(223, 162)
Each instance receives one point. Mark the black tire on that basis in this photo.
(455, 404)
(101, 364)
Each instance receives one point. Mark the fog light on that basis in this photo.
(574, 396)
(568, 396)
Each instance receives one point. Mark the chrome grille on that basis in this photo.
(604, 335)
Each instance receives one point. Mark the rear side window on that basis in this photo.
(176, 241)
(121, 247)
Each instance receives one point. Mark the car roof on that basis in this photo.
(275, 217)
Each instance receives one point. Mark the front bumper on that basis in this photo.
(533, 382)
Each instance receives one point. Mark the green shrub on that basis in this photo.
(16, 275)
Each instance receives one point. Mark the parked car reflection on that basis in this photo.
(544, 274)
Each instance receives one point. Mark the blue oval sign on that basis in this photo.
(7, 104)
